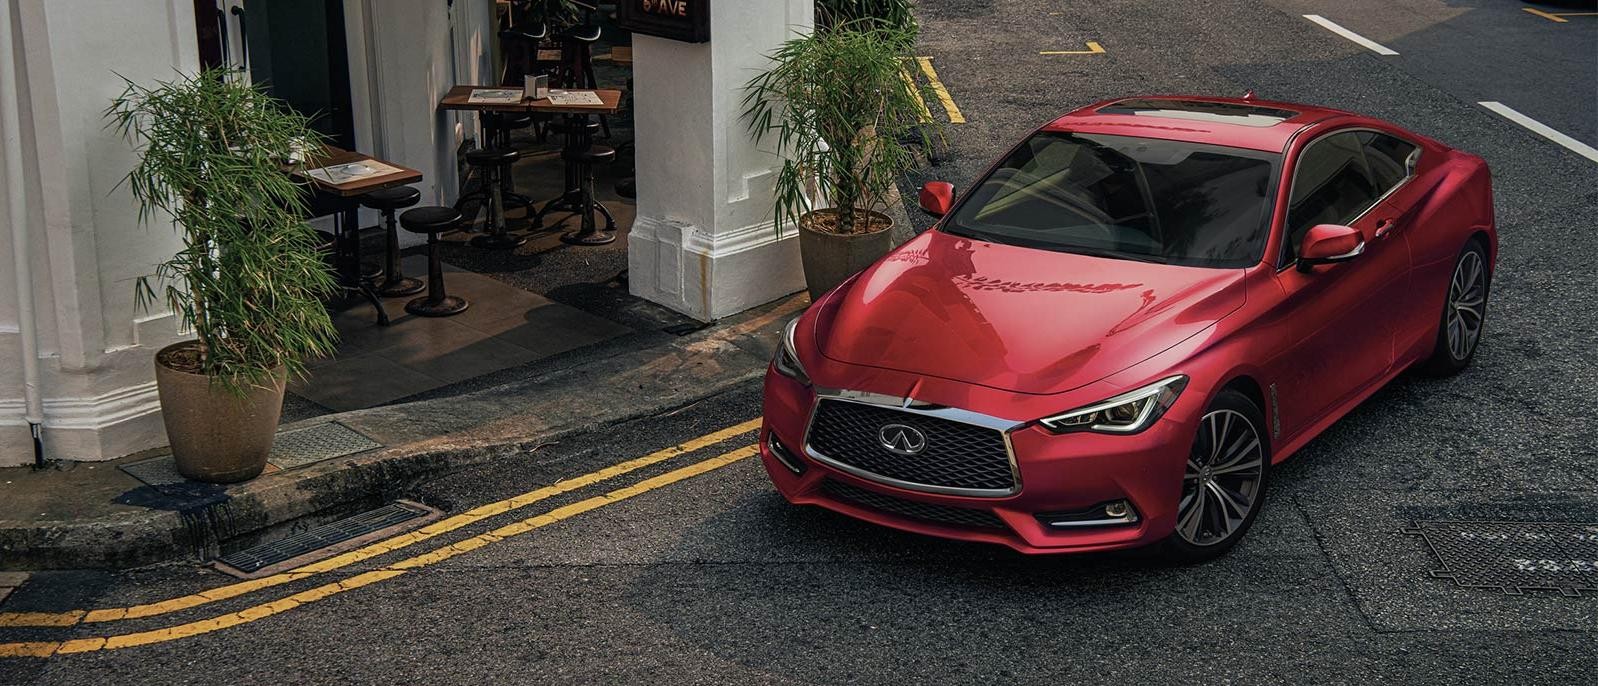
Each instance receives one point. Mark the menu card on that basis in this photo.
(574, 98)
(354, 171)
(495, 96)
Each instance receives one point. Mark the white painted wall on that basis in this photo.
(87, 243)
(704, 243)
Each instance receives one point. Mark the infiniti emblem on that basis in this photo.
(901, 439)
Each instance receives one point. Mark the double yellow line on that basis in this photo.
(258, 612)
(938, 89)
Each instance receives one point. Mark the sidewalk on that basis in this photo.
(97, 515)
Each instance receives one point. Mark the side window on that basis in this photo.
(1388, 157)
(1331, 185)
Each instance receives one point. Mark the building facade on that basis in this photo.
(76, 354)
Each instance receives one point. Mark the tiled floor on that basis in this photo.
(504, 327)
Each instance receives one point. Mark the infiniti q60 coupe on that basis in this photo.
(1111, 338)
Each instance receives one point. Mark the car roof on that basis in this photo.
(1245, 122)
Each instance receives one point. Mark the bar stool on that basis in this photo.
(388, 201)
(434, 221)
(584, 160)
(495, 165)
(579, 133)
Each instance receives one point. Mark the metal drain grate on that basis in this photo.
(290, 449)
(301, 447)
(251, 560)
(1515, 557)
(156, 471)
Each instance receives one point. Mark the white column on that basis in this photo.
(704, 242)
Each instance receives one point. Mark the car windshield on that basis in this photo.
(1124, 197)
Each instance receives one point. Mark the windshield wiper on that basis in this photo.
(1113, 254)
(964, 232)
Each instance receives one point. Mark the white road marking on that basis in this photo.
(1336, 28)
(1542, 129)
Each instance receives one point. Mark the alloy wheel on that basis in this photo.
(1221, 486)
(1467, 305)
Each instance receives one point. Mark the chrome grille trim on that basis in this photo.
(912, 406)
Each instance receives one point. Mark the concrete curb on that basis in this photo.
(424, 438)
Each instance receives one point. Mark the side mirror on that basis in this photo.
(1328, 244)
(937, 198)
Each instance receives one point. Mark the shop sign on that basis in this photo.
(684, 20)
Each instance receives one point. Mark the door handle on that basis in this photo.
(244, 38)
(1385, 227)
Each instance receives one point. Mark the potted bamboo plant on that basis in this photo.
(899, 13)
(248, 280)
(837, 102)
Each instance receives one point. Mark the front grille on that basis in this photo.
(942, 514)
(957, 455)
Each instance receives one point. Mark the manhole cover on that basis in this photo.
(326, 538)
(1515, 556)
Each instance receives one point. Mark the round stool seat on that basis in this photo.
(586, 33)
(395, 198)
(430, 219)
(530, 35)
(592, 127)
(491, 157)
(593, 154)
(516, 121)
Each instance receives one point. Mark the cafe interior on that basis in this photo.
(518, 260)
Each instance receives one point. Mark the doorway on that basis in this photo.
(294, 49)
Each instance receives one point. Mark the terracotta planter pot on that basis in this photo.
(831, 258)
(216, 436)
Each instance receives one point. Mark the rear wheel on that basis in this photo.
(1464, 313)
(1223, 486)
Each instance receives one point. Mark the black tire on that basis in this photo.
(1178, 548)
(1446, 359)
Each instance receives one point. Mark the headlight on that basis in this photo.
(787, 360)
(1126, 413)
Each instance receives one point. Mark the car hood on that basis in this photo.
(1018, 319)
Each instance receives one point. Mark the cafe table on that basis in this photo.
(341, 174)
(577, 139)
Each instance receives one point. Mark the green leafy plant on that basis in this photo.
(897, 14)
(249, 280)
(837, 103)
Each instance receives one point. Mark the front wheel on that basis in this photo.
(1223, 486)
(1464, 313)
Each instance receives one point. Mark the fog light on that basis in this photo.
(1113, 513)
(780, 451)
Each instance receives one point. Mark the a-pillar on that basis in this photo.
(704, 243)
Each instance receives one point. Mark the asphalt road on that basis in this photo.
(712, 578)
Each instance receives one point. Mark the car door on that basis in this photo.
(1396, 164)
(1339, 320)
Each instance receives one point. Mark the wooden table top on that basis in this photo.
(330, 156)
(458, 98)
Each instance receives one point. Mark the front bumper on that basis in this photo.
(1057, 473)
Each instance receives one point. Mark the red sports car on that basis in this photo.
(1141, 308)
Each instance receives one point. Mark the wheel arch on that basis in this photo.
(1250, 387)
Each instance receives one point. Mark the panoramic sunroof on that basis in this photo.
(1194, 110)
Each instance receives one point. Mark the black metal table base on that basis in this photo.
(352, 270)
(425, 307)
(402, 287)
(498, 241)
(595, 237)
